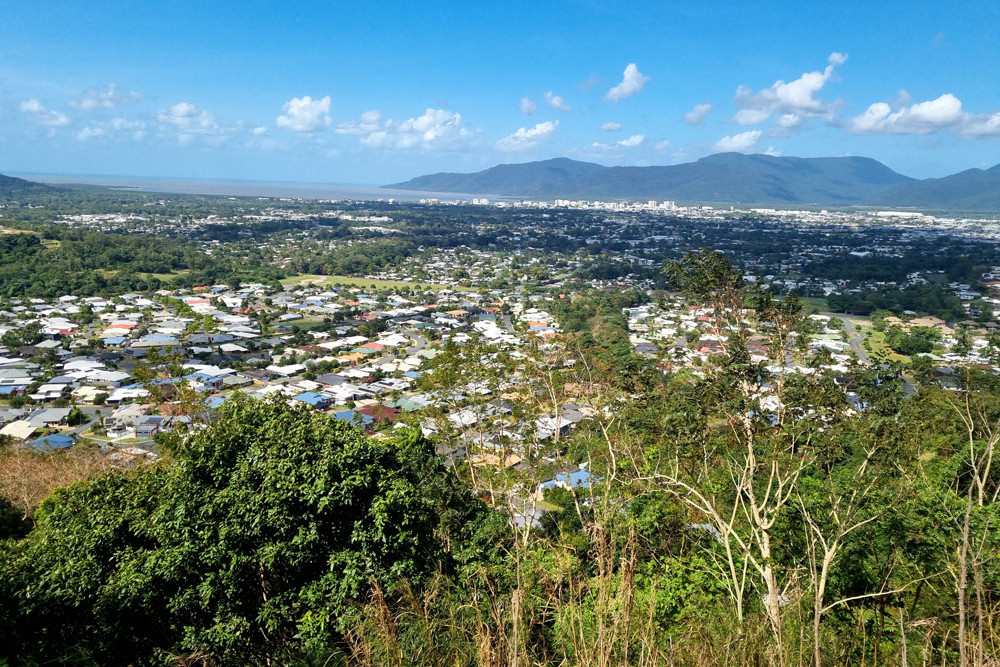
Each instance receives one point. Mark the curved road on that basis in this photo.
(856, 338)
(855, 342)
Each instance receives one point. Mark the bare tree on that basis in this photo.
(825, 535)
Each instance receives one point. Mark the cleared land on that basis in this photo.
(366, 283)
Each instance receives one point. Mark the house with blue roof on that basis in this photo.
(315, 399)
(204, 381)
(52, 442)
(574, 479)
(352, 417)
(215, 402)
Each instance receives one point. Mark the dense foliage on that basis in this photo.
(55, 261)
(251, 543)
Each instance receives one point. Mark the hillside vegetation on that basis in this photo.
(717, 526)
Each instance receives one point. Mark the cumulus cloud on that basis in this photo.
(188, 119)
(982, 125)
(258, 131)
(943, 113)
(436, 129)
(39, 114)
(190, 122)
(631, 142)
(527, 106)
(697, 114)
(556, 101)
(611, 126)
(305, 115)
(136, 129)
(633, 81)
(371, 121)
(772, 151)
(738, 142)
(753, 116)
(525, 138)
(790, 121)
(794, 99)
(105, 98)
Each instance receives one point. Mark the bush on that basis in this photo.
(249, 546)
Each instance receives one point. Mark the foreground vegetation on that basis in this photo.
(718, 526)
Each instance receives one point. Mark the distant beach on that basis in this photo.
(250, 188)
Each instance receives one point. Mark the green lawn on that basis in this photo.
(165, 277)
(306, 325)
(879, 348)
(817, 302)
(364, 283)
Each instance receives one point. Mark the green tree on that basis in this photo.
(247, 548)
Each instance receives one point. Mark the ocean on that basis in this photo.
(251, 188)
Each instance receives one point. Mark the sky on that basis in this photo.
(378, 92)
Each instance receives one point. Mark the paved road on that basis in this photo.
(856, 337)
(856, 340)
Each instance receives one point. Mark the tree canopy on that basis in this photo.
(249, 545)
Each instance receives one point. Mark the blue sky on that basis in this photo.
(371, 92)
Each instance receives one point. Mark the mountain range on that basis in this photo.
(730, 178)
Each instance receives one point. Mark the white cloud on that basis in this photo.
(982, 125)
(556, 101)
(697, 114)
(790, 121)
(797, 98)
(436, 129)
(611, 126)
(524, 138)
(188, 119)
(751, 116)
(190, 122)
(527, 106)
(89, 133)
(37, 112)
(633, 81)
(120, 126)
(738, 142)
(371, 121)
(631, 142)
(258, 131)
(105, 98)
(772, 151)
(944, 113)
(661, 146)
(305, 115)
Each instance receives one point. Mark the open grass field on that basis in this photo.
(166, 277)
(876, 339)
(818, 303)
(363, 283)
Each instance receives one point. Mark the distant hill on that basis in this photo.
(725, 177)
(969, 190)
(728, 177)
(16, 187)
